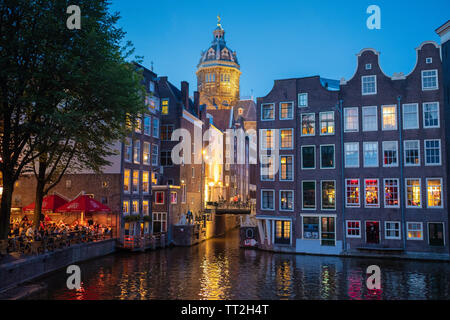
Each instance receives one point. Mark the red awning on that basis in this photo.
(49, 203)
(84, 204)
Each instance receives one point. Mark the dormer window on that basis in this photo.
(211, 53)
(429, 60)
(369, 85)
(368, 66)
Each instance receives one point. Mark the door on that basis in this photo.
(436, 234)
(373, 232)
(328, 231)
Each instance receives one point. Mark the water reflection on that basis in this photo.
(218, 269)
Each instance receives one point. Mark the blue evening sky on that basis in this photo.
(279, 38)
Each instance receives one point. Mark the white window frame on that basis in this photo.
(378, 193)
(279, 110)
(129, 181)
(364, 154)
(128, 207)
(406, 193)
(156, 197)
(301, 124)
(428, 60)
(335, 195)
(376, 118)
(292, 141)
(368, 66)
(397, 153)
(399, 230)
(382, 117)
(362, 85)
(425, 153)
(320, 124)
(438, 114)
(334, 156)
(315, 158)
(345, 119)
(345, 155)
(262, 111)
(437, 80)
(263, 139)
(442, 193)
(428, 230)
(347, 229)
(262, 202)
(398, 193)
(347, 205)
(293, 200)
(298, 100)
(315, 196)
(273, 169)
(408, 229)
(404, 153)
(417, 116)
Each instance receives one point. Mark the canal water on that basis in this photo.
(219, 269)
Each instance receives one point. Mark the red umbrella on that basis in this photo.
(83, 204)
(49, 203)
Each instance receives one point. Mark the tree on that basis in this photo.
(65, 94)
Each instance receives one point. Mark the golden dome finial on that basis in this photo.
(219, 19)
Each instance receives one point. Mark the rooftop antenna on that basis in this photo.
(151, 68)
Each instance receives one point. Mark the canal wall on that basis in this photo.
(14, 273)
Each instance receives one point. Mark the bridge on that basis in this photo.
(222, 208)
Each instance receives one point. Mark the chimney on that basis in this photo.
(185, 94)
(197, 103)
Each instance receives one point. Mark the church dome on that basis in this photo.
(218, 50)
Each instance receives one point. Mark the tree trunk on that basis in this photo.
(5, 208)
(39, 194)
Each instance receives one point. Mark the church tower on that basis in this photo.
(218, 74)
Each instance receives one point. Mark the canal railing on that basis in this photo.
(138, 243)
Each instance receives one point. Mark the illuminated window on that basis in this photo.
(154, 179)
(413, 196)
(267, 168)
(268, 111)
(431, 115)
(159, 197)
(135, 181)
(434, 193)
(286, 110)
(352, 193)
(147, 125)
(146, 153)
(432, 152)
(145, 208)
(351, 154)
(286, 137)
(126, 180)
(411, 116)
(311, 228)
(328, 231)
(282, 232)
(389, 117)
(126, 208)
(287, 168)
(328, 195)
(267, 139)
(371, 193)
(137, 151)
(369, 119)
(429, 80)
(309, 195)
(155, 155)
(414, 230)
(369, 85)
(128, 150)
(145, 182)
(327, 156)
(370, 154)
(135, 207)
(308, 157)
(286, 200)
(326, 123)
(390, 153)
(353, 229)
(302, 99)
(166, 132)
(391, 193)
(173, 197)
(351, 120)
(267, 201)
(308, 124)
(165, 106)
(392, 230)
(412, 151)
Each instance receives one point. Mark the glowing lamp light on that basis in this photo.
(211, 184)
